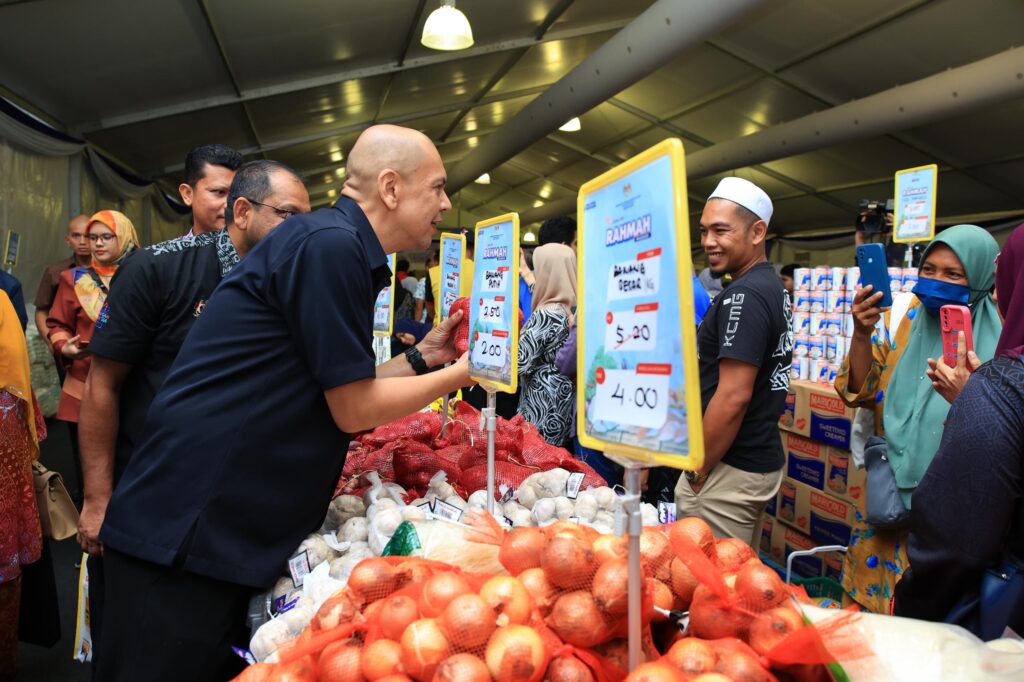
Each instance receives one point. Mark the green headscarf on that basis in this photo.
(914, 413)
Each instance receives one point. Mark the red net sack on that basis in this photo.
(419, 426)
(591, 479)
(505, 473)
(414, 464)
(462, 332)
(363, 459)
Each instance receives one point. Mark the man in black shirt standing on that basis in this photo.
(745, 350)
(155, 298)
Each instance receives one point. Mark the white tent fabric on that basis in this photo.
(32, 140)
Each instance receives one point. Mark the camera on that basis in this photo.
(872, 215)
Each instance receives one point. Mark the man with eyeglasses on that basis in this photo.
(156, 296)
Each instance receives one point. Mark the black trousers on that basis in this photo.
(162, 623)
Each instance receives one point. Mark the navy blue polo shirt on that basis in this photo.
(241, 454)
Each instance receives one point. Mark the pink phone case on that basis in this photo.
(955, 319)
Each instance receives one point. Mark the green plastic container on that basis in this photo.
(821, 588)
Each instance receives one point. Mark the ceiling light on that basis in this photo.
(332, 193)
(484, 179)
(447, 29)
(529, 237)
(538, 203)
(336, 157)
(339, 171)
(571, 126)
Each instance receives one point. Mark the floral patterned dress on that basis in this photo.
(546, 396)
(876, 559)
(20, 534)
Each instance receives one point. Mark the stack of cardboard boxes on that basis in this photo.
(817, 503)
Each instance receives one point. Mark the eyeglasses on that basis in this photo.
(283, 213)
(102, 237)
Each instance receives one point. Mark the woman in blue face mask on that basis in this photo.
(890, 373)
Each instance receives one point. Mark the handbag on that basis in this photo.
(996, 604)
(883, 505)
(58, 515)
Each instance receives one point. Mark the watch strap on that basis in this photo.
(416, 360)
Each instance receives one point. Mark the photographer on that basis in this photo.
(876, 219)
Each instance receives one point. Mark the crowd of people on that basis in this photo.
(211, 385)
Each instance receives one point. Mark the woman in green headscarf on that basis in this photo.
(895, 374)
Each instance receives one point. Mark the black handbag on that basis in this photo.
(883, 505)
(997, 603)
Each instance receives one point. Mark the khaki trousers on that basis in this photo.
(731, 501)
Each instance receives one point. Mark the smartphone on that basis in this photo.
(955, 319)
(874, 270)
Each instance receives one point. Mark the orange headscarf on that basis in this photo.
(91, 284)
(14, 365)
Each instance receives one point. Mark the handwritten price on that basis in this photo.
(489, 351)
(627, 397)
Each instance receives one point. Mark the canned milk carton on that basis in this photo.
(838, 279)
(802, 279)
(801, 345)
(896, 280)
(802, 301)
(831, 347)
(909, 279)
(816, 347)
(801, 323)
(853, 279)
(817, 324)
(787, 501)
(842, 344)
(821, 278)
(819, 371)
(833, 372)
(817, 302)
(833, 324)
(845, 303)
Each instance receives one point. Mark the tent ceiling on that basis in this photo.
(146, 80)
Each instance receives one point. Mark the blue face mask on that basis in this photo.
(934, 293)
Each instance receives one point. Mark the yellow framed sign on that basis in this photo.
(12, 244)
(638, 387)
(914, 219)
(384, 306)
(453, 255)
(494, 305)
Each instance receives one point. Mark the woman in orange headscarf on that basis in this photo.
(79, 303)
(21, 429)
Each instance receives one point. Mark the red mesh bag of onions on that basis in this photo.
(402, 618)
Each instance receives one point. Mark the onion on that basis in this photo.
(712, 618)
(696, 530)
(373, 579)
(712, 677)
(772, 627)
(692, 656)
(439, 590)
(617, 652)
(740, 667)
(543, 593)
(611, 587)
(515, 654)
(380, 659)
(732, 554)
(759, 587)
(340, 662)
(656, 554)
(413, 571)
(684, 583)
(424, 646)
(467, 622)
(462, 668)
(397, 677)
(663, 599)
(577, 620)
(339, 608)
(521, 549)
(568, 562)
(395, 615)
(567, 529)
(568, 669)
(656, 671)
(509, 599)
(608, 547)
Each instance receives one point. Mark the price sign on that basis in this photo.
(453, 252)
(914, 210)
(494, 315)
(638, 391)
(384, 306)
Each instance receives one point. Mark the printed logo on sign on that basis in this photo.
(798, 540)
(590, 205)
(827, 403)
(797, 444)
(496, 252)
(828, 505)
(632, 230)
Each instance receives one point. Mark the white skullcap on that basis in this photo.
(746, 194)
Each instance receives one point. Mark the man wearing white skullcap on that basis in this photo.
(745, 346)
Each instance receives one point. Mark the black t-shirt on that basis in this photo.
(750, 322)
(155, 297)
(241, 454)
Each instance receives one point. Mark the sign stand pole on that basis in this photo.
(629, 523)
(444, 413)
(490, 418)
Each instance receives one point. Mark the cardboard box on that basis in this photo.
(826, 519)
(822, 467)
(815, 411)
(770, 508)
(785, 540)
(767, 528)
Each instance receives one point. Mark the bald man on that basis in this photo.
(80, 256)
(246, 439)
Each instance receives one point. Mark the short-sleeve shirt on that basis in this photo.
(241, 454)
(48, 284)
(750, 322)
(156, 296)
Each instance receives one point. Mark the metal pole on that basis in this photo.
(633, 528)
(491, 422)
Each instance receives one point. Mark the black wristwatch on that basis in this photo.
(416, 360)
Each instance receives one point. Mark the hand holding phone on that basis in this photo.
(874, 270)
(954, 320)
